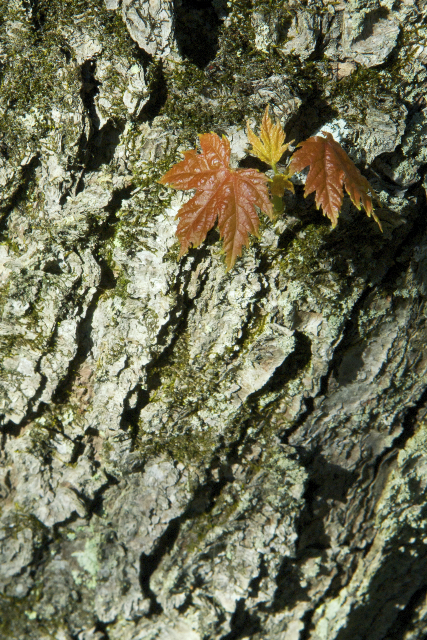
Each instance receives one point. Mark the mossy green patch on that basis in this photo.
(14, 619)
(210, 98)
(300, 259)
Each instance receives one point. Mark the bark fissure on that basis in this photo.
(18, 196)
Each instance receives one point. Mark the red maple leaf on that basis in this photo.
(330, 170)
(230, 195)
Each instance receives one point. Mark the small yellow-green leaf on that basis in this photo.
(269, 146)
(278, 185)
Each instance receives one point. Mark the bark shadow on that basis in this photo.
(310, 117)
(327, 482)
(289, 590)
(197, 24)
(243, 624)
(390, 602)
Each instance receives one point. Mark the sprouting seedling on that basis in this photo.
(232, 195)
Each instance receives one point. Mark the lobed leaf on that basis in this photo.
(230, 195)
(330, 170)
(269, 146)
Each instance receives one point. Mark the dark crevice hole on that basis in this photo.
(38, 16)
(292, 365)
(18, 196)
(149, 563)
(89, 90)
(289, 590)
(404, 618)
(242, 623)
(196, 30)
(133, 404)
(158, 93)
(52, 267)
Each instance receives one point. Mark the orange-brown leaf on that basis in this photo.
(224, 193)
(330, 170)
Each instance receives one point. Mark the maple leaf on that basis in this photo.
(230, 195)
(330, 170)
(279, 183)
(269, 146)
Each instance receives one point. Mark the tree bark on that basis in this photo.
(189, 453)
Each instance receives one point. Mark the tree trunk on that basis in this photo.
(189, 453)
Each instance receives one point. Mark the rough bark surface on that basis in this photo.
(190, 454)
